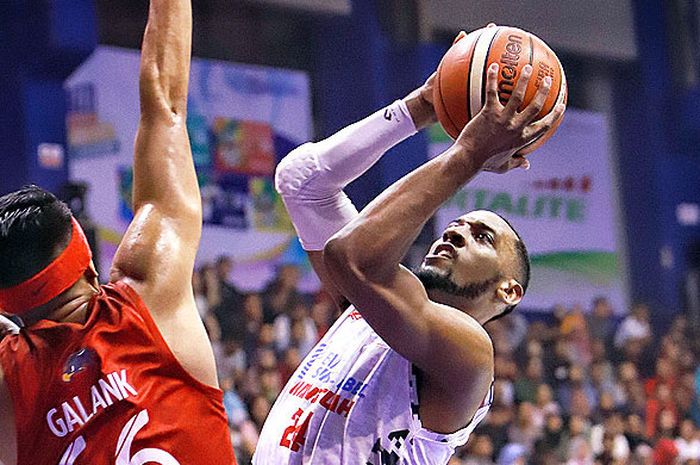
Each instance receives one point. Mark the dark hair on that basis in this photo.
(34, 228)
(522, 267)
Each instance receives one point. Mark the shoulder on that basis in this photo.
(474, 345)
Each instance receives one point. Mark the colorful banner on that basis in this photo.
(241, 121)
(565, 208)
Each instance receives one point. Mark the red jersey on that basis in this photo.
(110, 392)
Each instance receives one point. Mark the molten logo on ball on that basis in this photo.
(509, 67)
(460, 90)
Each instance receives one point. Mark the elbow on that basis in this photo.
(158, 101)
(295, 170)
(344, 259)
(335, 254)
(339, 260)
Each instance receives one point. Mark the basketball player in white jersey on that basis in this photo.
(404, 375)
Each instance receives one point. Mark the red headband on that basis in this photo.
(61, 274)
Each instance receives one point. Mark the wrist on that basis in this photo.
(474, 150)
(421, 110)
(467, 157)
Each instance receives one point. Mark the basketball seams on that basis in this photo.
(477, 78)
(469, 71)
(486, 68)
(444, 110)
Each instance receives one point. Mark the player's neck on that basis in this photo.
(481, 309)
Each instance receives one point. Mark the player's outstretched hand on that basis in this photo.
(498, 130)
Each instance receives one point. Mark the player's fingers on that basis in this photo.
(537, 128)
(492, 87)
(491, 25)
(521, 162)
(518, 95)
(459, 37)
(535, 106)
(508, 165)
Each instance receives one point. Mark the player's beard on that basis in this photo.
(442, 281)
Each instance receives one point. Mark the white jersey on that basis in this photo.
(353, 401)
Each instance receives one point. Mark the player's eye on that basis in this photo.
(482, 236)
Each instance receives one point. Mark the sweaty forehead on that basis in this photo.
(491, 220)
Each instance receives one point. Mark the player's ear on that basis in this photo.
(510, 292)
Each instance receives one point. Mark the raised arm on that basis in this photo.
(159, 247)
(363, 259)
(312, 177)
(157, 253)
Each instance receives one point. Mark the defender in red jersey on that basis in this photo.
(121, 374)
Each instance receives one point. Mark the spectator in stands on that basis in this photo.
(303, 336)
(284, 322)
(606, 406)
(580, 452)
(323, 313)
(253, 311)
(497, 422)
(270, 382)
(634, 432)
(601, 379)
(544, 405)
(514, 327)
(513, 454)
(281, 293)
(665, 373)
(524, 431)
(688, 442)
(259, 408)
(634, 328)
(558, 364)
(665, 452)
(526, 386)
(612, 428)
(231, 359)
(601, 325)
(577, 392)
(548, 448)
(291, 359)
(661, 402)
(479, 451)
(228, 311)
(574, 329)
(577, 428)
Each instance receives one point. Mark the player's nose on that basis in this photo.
(454, 237)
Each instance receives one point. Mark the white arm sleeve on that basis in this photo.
(312, 177)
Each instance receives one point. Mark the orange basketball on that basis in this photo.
(460, 87)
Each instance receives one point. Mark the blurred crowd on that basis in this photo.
(259, 339)
(579, 387)
(586, 388)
